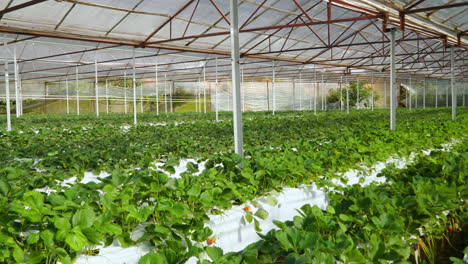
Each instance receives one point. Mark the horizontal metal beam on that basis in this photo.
(20, 6)
(432, 8)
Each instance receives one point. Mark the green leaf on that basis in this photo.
(257, 226)
(330, 209)
(271, 200)
(110, 228)
(214, 253)
(48, 238)
(4, 187)
(32, 238)
(262, 214)
(84, 218)
(248, 217)
(18, 254)
(62, 223)
(76, 240)
(152, 258)
(33, 199)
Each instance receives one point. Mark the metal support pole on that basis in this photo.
(273, 87)
(238, 137)
(68, 102)
(341, 92)
(447, 94)
(393, 95)
(157, 89)
(165, 92)
(372, 92)
(7, 87)
(15, 64)
(171, 90)
(107, 98)
(347, 94)
(77, 92)
(322, 87)
(300, 91)
(204, 90)
(294, 94)
(125, 92)
(452, 83)
(134, 89)
(216, 90)
(21, 95)
(436, 93)
(357, 93)
(196, 95)
(96, 86)
(315, 90)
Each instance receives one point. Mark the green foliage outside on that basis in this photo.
(365, 95)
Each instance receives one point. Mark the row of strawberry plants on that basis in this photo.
(422, 207)
(38, 228)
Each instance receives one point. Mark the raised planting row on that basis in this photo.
(37, 227)
(419, 216)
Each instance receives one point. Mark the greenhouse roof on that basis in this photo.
(54, 39)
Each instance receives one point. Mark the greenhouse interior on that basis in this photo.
(235, 131)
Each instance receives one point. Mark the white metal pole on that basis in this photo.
(238, 137)
(347, 94)
(322, 87)
(393, 95)
(77, 92)
(171, 89)
(410, 87)
(315, 90)
(436, 93)
(134, 90)
(196, 95)
(273, 87)
(15, 64)
(216, 90)
(157, 89)
(372, 92)
(96, 86)
(125, 92)
(68, 103)
(452, 83)
(21, 95)
(107, 98)
(204, 89)
(165, 92)
(300, 91)
(341, 92)
(7, 87)
(357, 93)
(446, 95)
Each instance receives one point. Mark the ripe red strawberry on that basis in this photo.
(450, 228)
(210, 241)
(246, 209)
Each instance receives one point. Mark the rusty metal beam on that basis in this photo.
(433, 8)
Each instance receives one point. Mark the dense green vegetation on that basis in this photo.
(286, 149)
(423, 207)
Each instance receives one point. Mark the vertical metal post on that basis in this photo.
(341, 92)
(204, 89)
(21, 95)
(7, 86)
(436, 93)
(77, 92)
(165, 92)
(238, 137)
(452, 83)
(96, 86)
(15, 64)
(294, 94)
(357, 93)
(424, 93)
(447, 94)
(393, 95)
(216, 90)
(157, 89)
(322, 87)
(68, 102)
(409, 91)
(347, 94)
(171, 91)
(273, 87)
(134, 89)
(315, 90)
(125, 92)
(372, 92)
(300, 90)
(196, 95)
(107, 98)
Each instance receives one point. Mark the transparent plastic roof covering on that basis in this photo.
(52, 40)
